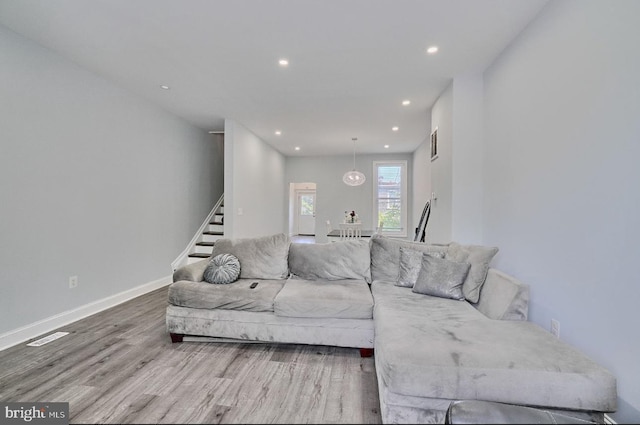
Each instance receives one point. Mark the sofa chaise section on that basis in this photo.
(463, 355)
(430, 351)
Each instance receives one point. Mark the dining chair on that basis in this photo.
(350, 231)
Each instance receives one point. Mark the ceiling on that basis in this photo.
(351, 62)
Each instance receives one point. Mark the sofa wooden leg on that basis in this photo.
(366, 352)
(176, 337)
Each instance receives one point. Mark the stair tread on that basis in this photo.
(199, 255)
(203, 243)
(213, 233)
(216, 222)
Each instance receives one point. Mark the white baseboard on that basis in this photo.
(40, 327)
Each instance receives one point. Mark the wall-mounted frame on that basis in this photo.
(434, 144)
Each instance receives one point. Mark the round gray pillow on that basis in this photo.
(222, 269)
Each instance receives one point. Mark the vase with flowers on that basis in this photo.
(351, 217)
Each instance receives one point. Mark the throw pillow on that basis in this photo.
(222, 269)
(441, 278)
(410, 264)
(385, 255)
(479, 257)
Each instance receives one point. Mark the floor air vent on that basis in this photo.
(47, 339)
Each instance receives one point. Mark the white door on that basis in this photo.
(306, 209)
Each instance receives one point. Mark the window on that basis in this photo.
(390, 196)
(306, 204)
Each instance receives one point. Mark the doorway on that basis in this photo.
(306, 213)
(302, 220)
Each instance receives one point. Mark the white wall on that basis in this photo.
(421, 177)
(467, 159)
(94, 182)
(255, 188)
(457, 173)
(439, 228)
(562, 182)
(333, 197)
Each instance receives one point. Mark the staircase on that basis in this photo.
(203, 248)
(201, 245)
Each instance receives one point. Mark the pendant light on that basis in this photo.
(353, 177)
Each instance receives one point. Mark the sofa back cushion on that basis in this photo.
(331, 261)
(263, 257)
(479, 257)
(385, 256)
(503, 297)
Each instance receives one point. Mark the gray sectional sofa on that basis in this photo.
(429, 350)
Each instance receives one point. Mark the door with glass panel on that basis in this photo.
(306, 208)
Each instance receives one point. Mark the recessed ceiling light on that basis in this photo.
(406, 102)
(433, 49)
(278, 132)
(283, 62)
(297, 148)
(163, 87)
(386, 146)
(394, 128)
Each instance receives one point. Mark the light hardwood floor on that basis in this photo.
(119, 366)
(303, 239)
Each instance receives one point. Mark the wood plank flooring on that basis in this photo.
(119, 366)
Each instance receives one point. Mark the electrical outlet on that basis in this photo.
(73, 282)
(555, 328)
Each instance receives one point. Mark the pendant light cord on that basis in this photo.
(354, 152)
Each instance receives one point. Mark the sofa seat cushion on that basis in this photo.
(445, 349)
(234, 296)
(340, 299)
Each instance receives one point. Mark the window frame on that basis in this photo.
(404, 205)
